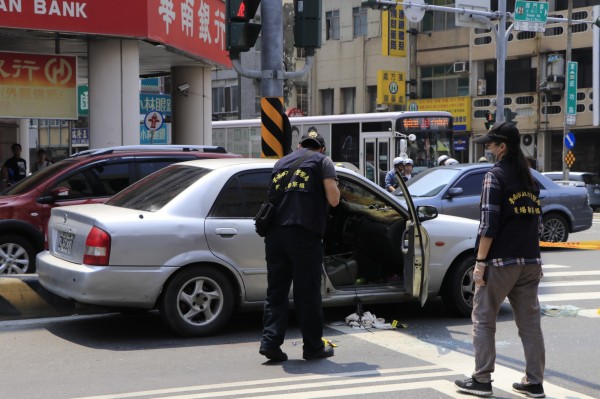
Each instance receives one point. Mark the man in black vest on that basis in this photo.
(15, 167)
(294, 249)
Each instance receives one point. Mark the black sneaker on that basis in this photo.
(326, 351)
(474, 387)
(531, 390)
(274, 354)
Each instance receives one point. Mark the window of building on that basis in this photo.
(348, 100)
(439, 20)
(225, 99)
(359, 21)
(332, 21)
(372, 98)
(440, 81)
(302, 97)
(327, 102)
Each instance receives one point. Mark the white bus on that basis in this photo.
(369, 142)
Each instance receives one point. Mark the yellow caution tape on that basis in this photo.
(328, 342)
(576, 245)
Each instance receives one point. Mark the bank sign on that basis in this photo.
(38, 86)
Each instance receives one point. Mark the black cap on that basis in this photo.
(312, 139)
(501, 131)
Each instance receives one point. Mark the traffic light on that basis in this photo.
(307, 23)
(241, 34)
(490, 119)
(510, 116)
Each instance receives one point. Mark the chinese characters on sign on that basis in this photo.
(459, 107)
(391, 87)
(203, 22)
(80, 137)
(571, 98)
(394, 32)
(38, 86)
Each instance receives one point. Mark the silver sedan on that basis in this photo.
(182, 240)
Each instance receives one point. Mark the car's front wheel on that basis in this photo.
(17, 255)
(459, 289)
(198, 301)
(556, 228)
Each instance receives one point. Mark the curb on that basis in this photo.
(22, 297)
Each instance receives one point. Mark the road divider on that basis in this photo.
(22, 297)
(571, 245)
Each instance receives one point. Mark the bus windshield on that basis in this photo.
(427, 138)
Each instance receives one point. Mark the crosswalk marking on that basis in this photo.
(298, 382)
(573, 273)
(461, 363)
(569, 283)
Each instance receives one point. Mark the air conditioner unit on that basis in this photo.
(528, 145)
(381, 108)
(461, 66)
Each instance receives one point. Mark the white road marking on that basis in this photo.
(569, 283)
(368, 377)
(400, 342)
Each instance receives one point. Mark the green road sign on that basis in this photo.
(571, 98)
(531, 11)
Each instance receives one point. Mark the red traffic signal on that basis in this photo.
(241, 10)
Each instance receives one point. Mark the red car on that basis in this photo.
(87, 177)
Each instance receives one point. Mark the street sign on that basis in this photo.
(571, 99)
(530, 16)
(570, 140)
(531, 11)
(414, 14)
(153, 120)
(569, 159)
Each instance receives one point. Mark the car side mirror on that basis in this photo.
(53, 195)
(427, 212)
(455, 191)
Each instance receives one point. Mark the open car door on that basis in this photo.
(415, 247)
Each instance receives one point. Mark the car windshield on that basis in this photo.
(156, 190)
(431, 182)
(591, 179)
(34, 180)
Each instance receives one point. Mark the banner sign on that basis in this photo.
(192, 26)
(459, 107)
(391, 87)
(38, 86)
(393, 32)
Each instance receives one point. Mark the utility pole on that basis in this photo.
(565, 167)
(501, 61)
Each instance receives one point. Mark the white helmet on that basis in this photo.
(450, 161)
(408, 161)
(398, 161)
(442, 159)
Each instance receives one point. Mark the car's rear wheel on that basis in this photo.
(17, 255)
(556, 228)
(459, 288)
(197, 302)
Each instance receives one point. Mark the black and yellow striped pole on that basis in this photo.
(274, 140)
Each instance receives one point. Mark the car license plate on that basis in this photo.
(65, 242)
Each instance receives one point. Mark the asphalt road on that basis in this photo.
(135, 356)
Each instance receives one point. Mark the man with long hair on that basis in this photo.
(508, 263)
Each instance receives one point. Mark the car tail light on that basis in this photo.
(97, 248)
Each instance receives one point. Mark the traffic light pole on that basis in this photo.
(274, 137)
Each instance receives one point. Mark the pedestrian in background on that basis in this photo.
(41, 161)
(408, 167)
(294, 248)
(15, 167)
(391, 177)
(508, 263)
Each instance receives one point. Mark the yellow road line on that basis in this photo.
(575, 245)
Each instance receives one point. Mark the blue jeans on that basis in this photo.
(520, 284)
(293, 254)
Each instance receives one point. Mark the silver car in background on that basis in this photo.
(589, 180)
(456, 190)
(182, 241)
